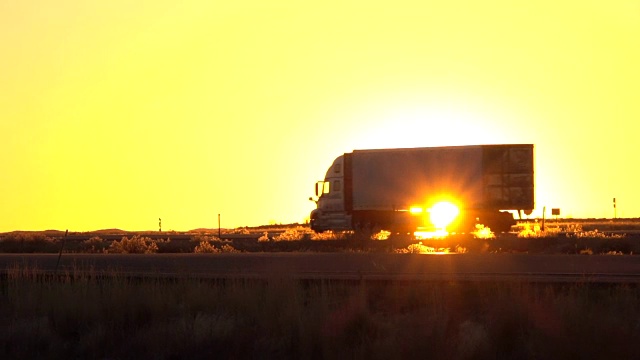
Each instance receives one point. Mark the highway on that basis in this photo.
(345, 266)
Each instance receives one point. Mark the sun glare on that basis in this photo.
(416, 210)
(445, 120)
(420, 235)
(442, 214)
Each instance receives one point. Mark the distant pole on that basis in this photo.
(615, 210)
(219, 227)
(159, 225)
(61, 248)
(544, 210)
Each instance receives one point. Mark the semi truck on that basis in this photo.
(455, 188)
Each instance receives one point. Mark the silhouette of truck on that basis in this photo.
(398, 189)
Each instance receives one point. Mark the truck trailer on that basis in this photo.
(407, 189)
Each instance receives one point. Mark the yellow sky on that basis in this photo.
(115, 113)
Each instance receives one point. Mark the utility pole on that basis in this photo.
(219, 237)
(159, 225)
(615, 210)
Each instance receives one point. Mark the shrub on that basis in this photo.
(94, 245)
(29, 243)
(136, 245)
(381, 235)
(264, 237)
(207, 238)
(327, 235)
(573, 228)
(290, 235)
(241, 231)
(226, 248)
(483, 232)
(206, 247)
(303, 233)
(613, 252)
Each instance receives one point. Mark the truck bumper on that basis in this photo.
(335, 221)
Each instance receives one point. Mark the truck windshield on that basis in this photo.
(322, 187)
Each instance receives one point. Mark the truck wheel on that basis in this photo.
(501, 222)
(364, 231)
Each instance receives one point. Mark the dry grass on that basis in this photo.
(534, 230)
(585, 228)
(419, 248)
(207, 247)
(558, 237)
(108, 315)
(301, 233)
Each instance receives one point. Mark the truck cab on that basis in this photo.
(330, 213)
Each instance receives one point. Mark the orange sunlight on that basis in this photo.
(442, 214)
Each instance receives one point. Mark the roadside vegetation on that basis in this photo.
(86, 314)
(562, 237)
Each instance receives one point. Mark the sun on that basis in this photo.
(442, 214)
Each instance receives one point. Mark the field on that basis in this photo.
(107, 315)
